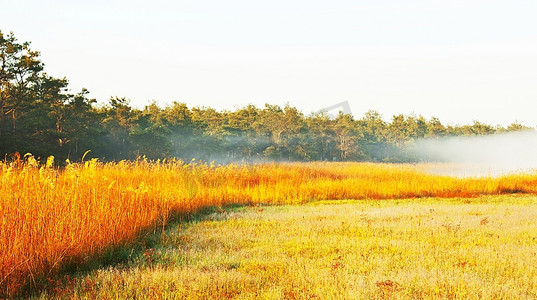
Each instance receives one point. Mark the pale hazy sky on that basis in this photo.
(457, 60)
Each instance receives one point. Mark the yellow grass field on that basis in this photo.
(50, 218)
(461, 248)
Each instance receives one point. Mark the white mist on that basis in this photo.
(483, 155)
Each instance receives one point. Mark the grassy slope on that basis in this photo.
(418, 248)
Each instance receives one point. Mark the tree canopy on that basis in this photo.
(39, 115)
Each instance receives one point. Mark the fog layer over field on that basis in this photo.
(483, 155)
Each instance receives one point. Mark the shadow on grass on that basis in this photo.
(118, 256)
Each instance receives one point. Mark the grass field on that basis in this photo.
(55, 221)
(461, 248)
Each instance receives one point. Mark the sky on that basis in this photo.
(456, 60)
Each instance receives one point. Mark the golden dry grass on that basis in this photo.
(479, 248)
(51, 217)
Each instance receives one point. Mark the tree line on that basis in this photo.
(39, 115)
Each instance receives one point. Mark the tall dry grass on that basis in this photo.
(50, 217)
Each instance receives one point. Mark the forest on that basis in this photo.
(40, 115)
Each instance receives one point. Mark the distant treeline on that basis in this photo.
(39, 115)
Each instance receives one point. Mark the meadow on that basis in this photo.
(434, 248)
(52, 219)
